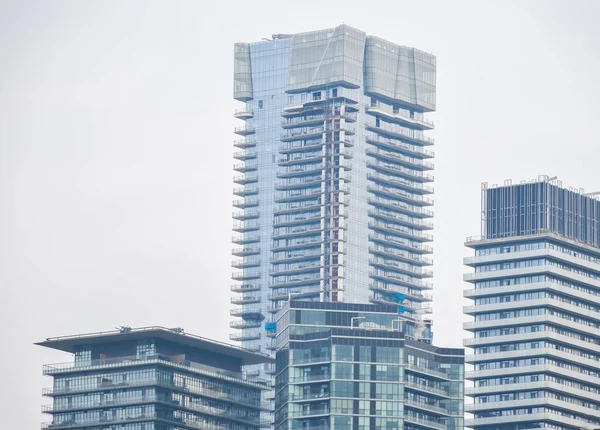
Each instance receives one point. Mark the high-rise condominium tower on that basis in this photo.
(332, 197)
(536, 293)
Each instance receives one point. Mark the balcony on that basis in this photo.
(244, 143)
(400, 207)
(300, 158)
(398, 145)
(244, 215)
(245, 239)
(243, 113)
(303, 121)
(241, 324)
(296, 282)
(295, 256)
(245, 179)
(301, 134)
(296, 269)
(428, 371)
(246, 191)
(245, 167)
(399, 194)
(297, 231)
(402, 280)
(401, 134)
(244, 300)
(296, 183)
(428, 389)
(242, 252)
(312, 242)
(395, 241)
(403, 183)
(245, 155)
(246, 312)
(240, 337)
(396, 289)
(394, 265)
(295, 195)
(242, 227)
(423, 422)
(244, 130)
(389, 252)
(394, 157)
(402, 219)
(301, 146)
(244, 276)
(290, 220)
(400, 118)
(245, 263)
(395, 169)
(398, 230)
(245, 203)
(296, 207)
(300, 170)
(277, 295)
(243, 288)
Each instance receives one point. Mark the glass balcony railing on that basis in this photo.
(400, 255)
(245, 300)
(403, 134)
(238, 312)
(425, 422)
(243, 288)
(239, 337)
(399, 182)
(240, 252)
(388, 215)
(244, 143)
(401, 231)
(129, 361)
(245, 155)
(244, 130)
(400, 194)
(401, 267)
(246, 238)
(397, 289)
(394, 157)
(398, 145)
(245, 203)
(395, 241)
(400, 206)
(245, 263)
(246, 179)
(245, 275)
(401, 117)
(242, 227)
(401, 279)
(245, 167)
(243, 113)
(241, 324)
(245, 191)
(395, 169)
(245, 214)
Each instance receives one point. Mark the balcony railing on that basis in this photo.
(244, 143)
(402, 255)
(128, 361)
(399, 182)
(241, 324)
(244, 130)
(243, 288)
(239, 337)
(244, 300)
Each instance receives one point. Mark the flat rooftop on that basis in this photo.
(175, 335)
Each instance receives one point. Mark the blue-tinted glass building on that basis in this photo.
(332, 173)
(351, 367)
(536, 309)
(153, 378)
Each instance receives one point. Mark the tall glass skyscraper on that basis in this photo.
(332, 198)
(536, 294)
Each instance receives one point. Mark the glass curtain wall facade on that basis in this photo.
(152, 379)
(332, 177)
(536, 310)
(349, 366)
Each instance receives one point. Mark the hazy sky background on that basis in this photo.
(116, 150)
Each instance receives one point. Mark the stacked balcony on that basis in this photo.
(397, 174)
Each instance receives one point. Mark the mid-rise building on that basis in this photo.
(153, 378)
(332, 173)
(536, 309)
(351, 367)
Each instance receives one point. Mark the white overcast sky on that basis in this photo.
(116, 150)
